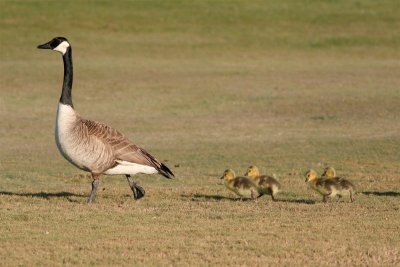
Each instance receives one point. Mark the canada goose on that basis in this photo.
(92, 146)
(329, 188)
(266, 184)
(241, 186)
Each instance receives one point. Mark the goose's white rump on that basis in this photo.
(125, 167)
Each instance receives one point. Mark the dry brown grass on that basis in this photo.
(283, 86)
(198, 226)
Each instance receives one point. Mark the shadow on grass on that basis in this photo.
(300, 201)
(44, 195)
(198, 197)
(382, 194)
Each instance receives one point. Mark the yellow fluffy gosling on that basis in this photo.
(329, 172)
(241, 186)
(329, 188)
(267, 185)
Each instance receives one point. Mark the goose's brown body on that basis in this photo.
(98, 148)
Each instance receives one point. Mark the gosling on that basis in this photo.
(267, 185)
(329, 188)
(241, 186)
(329, 172)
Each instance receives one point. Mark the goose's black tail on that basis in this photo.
(160, 167)
(165, 171)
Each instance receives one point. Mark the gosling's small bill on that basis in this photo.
(329, 187)
(266, 185)
(241, 186)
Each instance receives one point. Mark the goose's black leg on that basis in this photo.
(95, 183)
(138, 191)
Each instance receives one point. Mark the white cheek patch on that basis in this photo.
(62, 48)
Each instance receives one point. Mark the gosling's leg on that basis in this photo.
(255, 195)
(95, 184)
(325, 198)
(138, 191)
(351, 196)
(273, 196)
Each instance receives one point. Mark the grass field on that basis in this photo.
(204, 86)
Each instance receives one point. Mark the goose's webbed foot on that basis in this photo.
(138, 191)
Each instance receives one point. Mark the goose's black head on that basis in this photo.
(59, 44)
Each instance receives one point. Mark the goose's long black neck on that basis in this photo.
(66, 96)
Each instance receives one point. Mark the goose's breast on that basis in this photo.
(66, 140)
(75, 145)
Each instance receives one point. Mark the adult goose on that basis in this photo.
(95, 147)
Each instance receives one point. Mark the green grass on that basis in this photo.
(206, 85)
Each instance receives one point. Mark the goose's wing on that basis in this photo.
(123, 149)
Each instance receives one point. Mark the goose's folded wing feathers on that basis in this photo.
(121, 147)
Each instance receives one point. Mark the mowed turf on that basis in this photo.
(204, 86)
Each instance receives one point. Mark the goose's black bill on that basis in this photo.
(45, 46)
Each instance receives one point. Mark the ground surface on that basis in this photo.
(203, 86)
